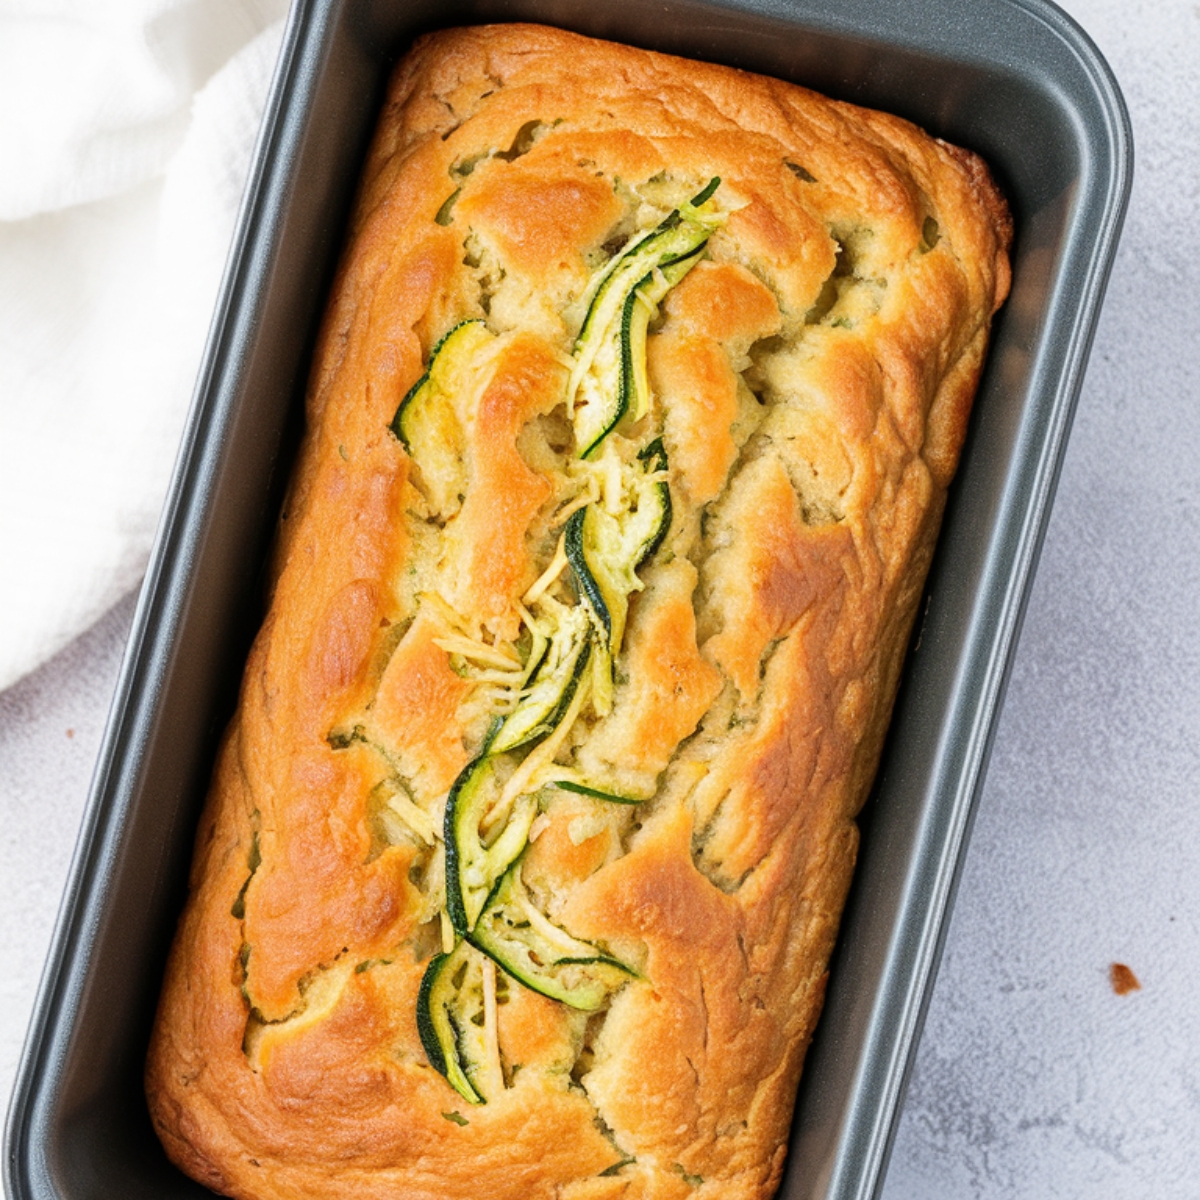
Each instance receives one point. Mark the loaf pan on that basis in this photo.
(1014, 80)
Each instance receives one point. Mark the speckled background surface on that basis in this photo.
(1033, 1078)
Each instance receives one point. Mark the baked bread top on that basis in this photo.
(684, 810)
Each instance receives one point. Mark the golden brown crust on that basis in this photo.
(814, 378)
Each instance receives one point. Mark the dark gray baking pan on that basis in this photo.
(1012, 79)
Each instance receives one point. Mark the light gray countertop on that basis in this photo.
(1033, 1079)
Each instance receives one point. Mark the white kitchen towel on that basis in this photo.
(126, 129)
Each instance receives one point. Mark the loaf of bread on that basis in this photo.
(629, 431)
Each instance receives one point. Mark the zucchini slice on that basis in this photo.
(651, 522)
(427, 421)
(586, 789)
(535, 951)
(642, 304)
(451, 1020)
(605, 551)
(609, 378)
(552, 684)
(473, 863)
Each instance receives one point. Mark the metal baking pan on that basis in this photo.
(1014, 80)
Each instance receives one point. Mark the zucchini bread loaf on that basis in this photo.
(629, 431)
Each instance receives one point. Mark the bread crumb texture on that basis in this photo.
(515, 692)
(1123, 980)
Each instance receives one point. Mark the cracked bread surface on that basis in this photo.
(811, 379)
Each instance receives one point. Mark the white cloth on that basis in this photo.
(126, 130)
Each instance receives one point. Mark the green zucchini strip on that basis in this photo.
(552, 685)
(452, 1023)
(586, 789)
(427, 420)
(605, 551)
(535, 951)
(451, 353)
(472, 864)
(652, 519)
(641, 305)
(609, 378)
(486, 903)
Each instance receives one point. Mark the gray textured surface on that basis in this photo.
(50, 729)
(1033, 1079)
